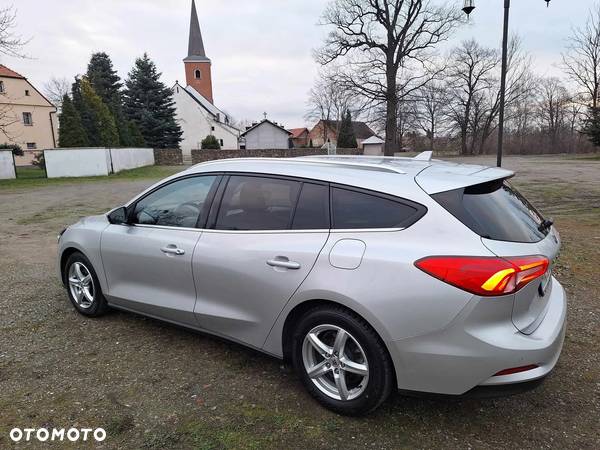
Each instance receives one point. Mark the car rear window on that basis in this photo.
(495, 210)
(355, 209)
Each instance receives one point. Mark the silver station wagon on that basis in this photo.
(369, 274)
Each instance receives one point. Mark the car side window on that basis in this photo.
(312, 211)
(257, 203)
(353, 209)
(178, 204)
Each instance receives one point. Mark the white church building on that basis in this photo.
(197, 115)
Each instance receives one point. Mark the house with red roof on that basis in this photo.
(27, 118)
(299, 137)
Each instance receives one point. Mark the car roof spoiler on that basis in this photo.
(424, 156)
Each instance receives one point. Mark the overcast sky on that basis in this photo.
(261, 50)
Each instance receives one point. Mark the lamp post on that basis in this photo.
(468, 8)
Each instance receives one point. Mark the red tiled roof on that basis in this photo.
(6, 72)
(296, 132)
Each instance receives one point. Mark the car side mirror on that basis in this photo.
(118, 216)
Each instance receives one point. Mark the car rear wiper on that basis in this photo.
(546, 223)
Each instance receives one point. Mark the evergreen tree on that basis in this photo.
(346, 137)
(592, 126)
(96, 118)
(108, 86)
(210, 142)
(149, 103)
(72, 133)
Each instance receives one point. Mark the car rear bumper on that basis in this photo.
(476, 345)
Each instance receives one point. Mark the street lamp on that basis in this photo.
(468, 8)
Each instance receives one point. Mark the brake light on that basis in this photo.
(486, 276)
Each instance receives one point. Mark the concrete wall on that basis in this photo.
(7, 165)
(130, 158)
(199, 156)
(86, 162)
(77, 162)
(266, 136)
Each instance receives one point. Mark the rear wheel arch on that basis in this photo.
(302, 308)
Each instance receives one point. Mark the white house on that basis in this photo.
(265, 135)
(373, 146)
(196, 113)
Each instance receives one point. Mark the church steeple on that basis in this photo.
(197, 65)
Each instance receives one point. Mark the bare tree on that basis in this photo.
(376, 39)
(329, 100)
(581, 62)
(55, 89)
(553, 109)
(10, 45)
(430, 110)
(471, 75)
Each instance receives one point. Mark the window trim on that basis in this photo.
(30, 124)
(210, 198)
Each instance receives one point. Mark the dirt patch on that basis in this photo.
(155, 386)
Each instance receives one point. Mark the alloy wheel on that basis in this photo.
(81, 285)
(335, 362)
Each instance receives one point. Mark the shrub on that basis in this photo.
(210, 142)
(39, 160)
(16, 149)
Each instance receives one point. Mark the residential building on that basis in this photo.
(265, 135)
(373, 146)
(300, 137)
(196, 112)
(27, 118)
(327, 130)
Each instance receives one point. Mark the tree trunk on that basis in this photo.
(391, 114)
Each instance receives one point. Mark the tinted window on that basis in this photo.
(312, 212)
(255, 203)
(178, 204)
(352, 209)
(494, 210)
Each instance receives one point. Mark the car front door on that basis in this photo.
(263, 239)
(148, 262)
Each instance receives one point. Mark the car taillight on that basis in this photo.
(486, 276)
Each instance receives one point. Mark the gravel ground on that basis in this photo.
(152, 385)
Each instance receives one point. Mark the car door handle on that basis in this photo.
(172, 250)
(282, 261)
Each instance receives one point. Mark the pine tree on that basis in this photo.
(149, 103)
(346, 137)
(108, 86)
(592, 126)
(96, 118)
(72, 133)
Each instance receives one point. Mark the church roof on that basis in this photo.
(195, 45)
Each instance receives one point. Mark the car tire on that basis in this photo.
(83, 287)
(338, 380)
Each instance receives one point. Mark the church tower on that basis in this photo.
(197, 65)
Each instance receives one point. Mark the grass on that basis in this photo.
(29, 172)
(33, 177)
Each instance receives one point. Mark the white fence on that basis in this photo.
(7, 165)
(83, 162)
(130, 158)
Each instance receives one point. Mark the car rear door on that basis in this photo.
(148, 262)
(263, 240)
